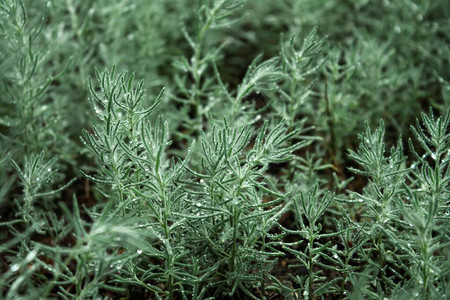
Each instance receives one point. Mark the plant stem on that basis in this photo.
(235, 221)
(331, 126)
(310, 262)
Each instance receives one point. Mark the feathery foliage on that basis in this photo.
(270, 154)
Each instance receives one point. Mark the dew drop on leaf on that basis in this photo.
(15, 268)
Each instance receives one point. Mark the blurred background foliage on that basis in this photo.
(388, 59)
(369, 60)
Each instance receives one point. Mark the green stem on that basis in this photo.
(292, 102)
(165, 224)
(264, 275)
(196, 75)
(235, 220)
(331, 127)
(310, 262)
(425, 269)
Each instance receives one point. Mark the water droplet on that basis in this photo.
(202, 181)
(97, 109)
(397, 29)
(49, 170)
(198, 204)
(15, 268)
(139, 251)
(119, 265)
(31, 256)
(419, 17)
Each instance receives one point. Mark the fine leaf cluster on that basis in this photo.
(224, 149)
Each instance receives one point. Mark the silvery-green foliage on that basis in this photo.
(299, 67)
(426, 207)
(34, 176)
(232, 181)
(192, 83)
(386, 175)
(233, 208)
(410, 200)
(28, 116)
(136, 168)
(317, 254)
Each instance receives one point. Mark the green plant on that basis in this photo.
(310, 208)
(242, 177)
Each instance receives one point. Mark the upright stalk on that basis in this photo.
(333, 147)
(310, 262)
(165, 225)
(264, 275)
(235, 221)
